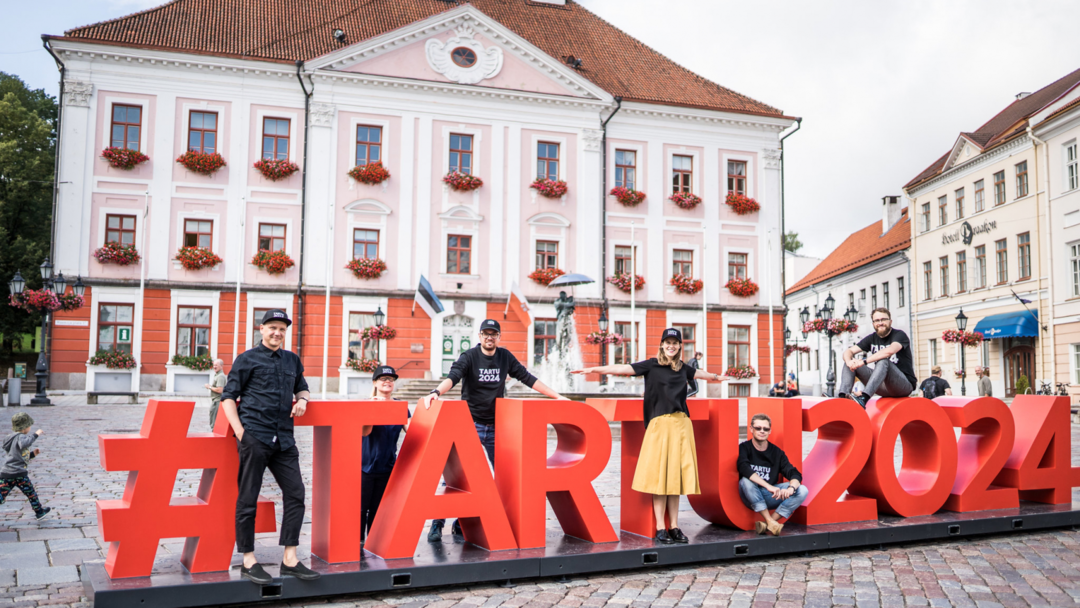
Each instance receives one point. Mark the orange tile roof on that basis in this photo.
(860, 248)
(287, 30)
(1008, 123)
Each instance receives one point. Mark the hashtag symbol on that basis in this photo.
(134, 525)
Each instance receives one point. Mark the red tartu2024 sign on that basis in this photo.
(1002, 455)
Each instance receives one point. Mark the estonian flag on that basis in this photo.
(426, 298)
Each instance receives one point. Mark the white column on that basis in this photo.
(654, 263)
(161, 193)
(587, 224)
(237, 193)
(406, 279)
(423, 203)
(496, 185)
(76, 179)
(513, 205)
(714, 283)
(319, 201)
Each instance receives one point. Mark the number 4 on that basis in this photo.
(1040, 465)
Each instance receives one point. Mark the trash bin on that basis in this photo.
(14, 392)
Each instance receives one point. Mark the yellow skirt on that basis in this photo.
(667, 464)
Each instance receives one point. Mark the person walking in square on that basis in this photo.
(893, 374)
(695, 364)
(667, 464)
(380, 450)
(17, 455)
(760, 464)
(216, 387)
(935, 386)
(986, 389)
(266, 380)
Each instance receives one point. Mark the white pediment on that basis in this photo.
(549, 219)
(461, 213)
(963, 151)
(462, 46)
(369, 206)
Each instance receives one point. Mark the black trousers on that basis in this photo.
(284, 465)
(371, 493)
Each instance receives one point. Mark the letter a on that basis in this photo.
(441, 441)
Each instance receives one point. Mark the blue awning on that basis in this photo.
(1019, 324)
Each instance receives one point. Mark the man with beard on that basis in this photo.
(890, 351)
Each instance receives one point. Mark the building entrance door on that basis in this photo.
(1019, 361)
(457, 338)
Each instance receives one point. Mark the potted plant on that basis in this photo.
(370, 174)
(462, 182)
(970, 339)
(741, 204)
(622, 280)
(273, 262)
(43, 300)
(743, 288)
(686, 285)
(685, 200)
(123, 158)
(113, 359)
(275, 170)
(550, 188)
(366, 268)
(544, 276)
(603, 337)
(741, 372)
(201, 162)
(199, 363)
(197, 258)
(362, 365)
(627, 196)
(115, 253)
(378, 332)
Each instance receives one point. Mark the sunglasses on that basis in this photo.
(762, 428)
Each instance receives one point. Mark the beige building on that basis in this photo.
(981, 241)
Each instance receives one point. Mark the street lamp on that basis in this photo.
(17, 284)
(851, 314)
(603, 322)
(787, 334)
(58, 285)
(804, 316)
(78, 287)
(826, 314)
(380, 316)
(961, 324)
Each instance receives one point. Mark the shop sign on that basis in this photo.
(966, 232)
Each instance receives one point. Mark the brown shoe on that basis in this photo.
(760, 527)
(775, 528)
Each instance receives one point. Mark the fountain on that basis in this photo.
(555, 369)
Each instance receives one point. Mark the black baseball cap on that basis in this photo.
(671, 332)
(276, 314)
(490, 324)
(384, 370)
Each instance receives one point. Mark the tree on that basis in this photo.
(27, 159)
(792, 242)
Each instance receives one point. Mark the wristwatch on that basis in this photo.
(435, 392)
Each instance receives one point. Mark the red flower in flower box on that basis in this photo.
(462, 182)
(741, 372)
(362, 365)
(970, 339)
(743, 288)
(622, 281)
(276, 170)
(627, 196)
(115, 253)
(123, 158)
(273, 262)
(795, 348)
(684, 284)
(197, 258)
(366, 268)
(603, 337)
(685, 200)
(742, 204)
(201, 162)
(550, 188)
(113, 359)
(378, 332)
(370, 174)
(545, 276)
(35, 300)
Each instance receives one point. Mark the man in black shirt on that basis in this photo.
(265, 379)
(760, 465)
(890, 350)
(695, 364)
(935, 386)
(482, 371)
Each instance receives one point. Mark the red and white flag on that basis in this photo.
(520, 305)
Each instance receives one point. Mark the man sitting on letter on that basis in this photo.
(890, 350)
(760, 465)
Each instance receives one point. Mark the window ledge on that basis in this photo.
(465, 277)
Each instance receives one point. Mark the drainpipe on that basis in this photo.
(603, 220)
(783, 240)
(56, 185)
(1049, 250)
(303, 214)
(911, 289)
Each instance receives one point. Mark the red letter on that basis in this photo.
(929, 468)
(982, 449)
(1040, 465)
(786, 416)
(336, 473)
(717, 440)
(441, 441)
(525, 475)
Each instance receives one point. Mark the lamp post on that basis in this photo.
(380, 317)
(804, 316)
(603, 323)
(961, 324)
(826, 315)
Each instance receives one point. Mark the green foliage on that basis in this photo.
(1022, 385)
(27, 157)
(199, 363)
(792, 242)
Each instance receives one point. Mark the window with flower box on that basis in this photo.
(368, 145)
(358, 348)
(959, 196)
(999, 188)
(682, 262)
(275, 139)
(115, 327)
(126, 126)
(272, 237)
(199, 233)
(544, 337)
(458, 254)
(943, 210)
(928, 280)
(736, 265)
(979, 196)
(365, 244)
(1021, 179)
(624, 352)
(943, 263)
(682, 173)
(626, 169)
(736, 176)
(547, 254)
(925, 217)
(1001, 250)
(961, 271)
(1023, 249)
(257, 315)
(688, 342)
(980, 267)
(120, 229)
(547, 160)
(192, 331)
(202, 131)
(738, 345)
(461, 153)
(623, 261)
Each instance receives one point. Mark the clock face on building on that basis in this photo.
(463, 57)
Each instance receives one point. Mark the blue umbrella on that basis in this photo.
(569, 280)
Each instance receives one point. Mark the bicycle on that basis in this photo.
(1062, 389)
(1044, 389)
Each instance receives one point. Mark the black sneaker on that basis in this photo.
(44, 513)
(434, 535)
(861, 399)
(663, 538)
(256, 574)
(455, 530)
(300, 571)
(677, 535)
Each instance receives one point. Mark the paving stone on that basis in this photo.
(72, 544)
(47, 576)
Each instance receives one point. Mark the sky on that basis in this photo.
(884, 88)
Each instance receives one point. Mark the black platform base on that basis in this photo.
(450, 563)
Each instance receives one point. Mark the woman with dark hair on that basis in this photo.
(667, 464)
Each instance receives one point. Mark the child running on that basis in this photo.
(17, 455)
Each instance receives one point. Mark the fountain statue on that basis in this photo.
(555, 369)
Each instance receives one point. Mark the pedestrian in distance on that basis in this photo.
(482, 371)
(269, 383)
(890, 351)
(695, 364)
(216, 387)
(935, 386)
(986, 389)
(760, 464)
(17, 456)
(667, 463)
(380, 450)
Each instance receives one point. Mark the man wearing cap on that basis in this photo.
(265, 379)
(482, 371)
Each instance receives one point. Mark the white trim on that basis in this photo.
(110, 100)
(697, 169)
(534, 157)
(695, 262)
(384, 141)
(185, 133)
(363, 305)
(115, 295)
(99, 239)
(727, 260)
(741, 319)
(750, 169)
(639, 175)
(190, 297)
(294, 132)
(215, 233)
(562, 225)
(253, 247)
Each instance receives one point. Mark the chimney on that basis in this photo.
(890, 212)
(1020, 96)
(556, 2)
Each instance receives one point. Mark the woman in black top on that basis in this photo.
(667, 464)
(380, 451)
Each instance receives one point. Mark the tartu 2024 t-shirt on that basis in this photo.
(769, 463)
(665, 388)
(483, 379)
(902, 360)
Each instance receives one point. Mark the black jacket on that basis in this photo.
(264, 382)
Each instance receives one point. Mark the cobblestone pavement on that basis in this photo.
(39, 560)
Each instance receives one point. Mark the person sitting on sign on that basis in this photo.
(482, 371)
(890, 351)
(380, 450)
(760, 466)
(667, 463)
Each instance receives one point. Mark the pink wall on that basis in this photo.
(224, 122)
(641, 148)
(698, 181)
(296, 145)
(752, 183)
(218, 208)
(533, 204)
(106, 99)
(289, 215)
(123, 205)
(674, 239)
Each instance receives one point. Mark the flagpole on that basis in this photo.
(633, 295)
(704, 312)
